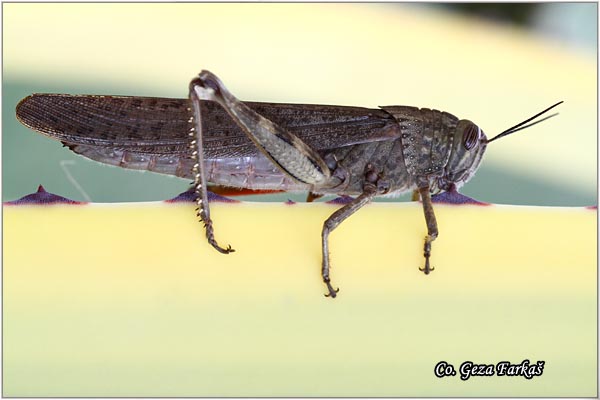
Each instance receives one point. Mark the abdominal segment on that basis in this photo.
(250, 172)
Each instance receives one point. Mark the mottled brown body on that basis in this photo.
(151, 134)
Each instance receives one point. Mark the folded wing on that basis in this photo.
(159, 126)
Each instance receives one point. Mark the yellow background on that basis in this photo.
(130, 300)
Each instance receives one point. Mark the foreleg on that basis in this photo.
(432, 230)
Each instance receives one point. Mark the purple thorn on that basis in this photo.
(190, 196)
(187, 196)
(41, 197)
(341, 200)
(453, 197)
(221, 199)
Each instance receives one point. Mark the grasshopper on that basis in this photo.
(212, 137)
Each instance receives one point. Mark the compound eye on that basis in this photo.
(471, 136)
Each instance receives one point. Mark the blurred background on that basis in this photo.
(496, 64)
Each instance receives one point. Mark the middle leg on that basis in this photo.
(370, 190)
(432, 229)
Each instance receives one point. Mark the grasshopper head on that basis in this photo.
(468, 147)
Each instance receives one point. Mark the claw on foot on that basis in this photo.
(222, 250)
(332, 292)
(427, 268)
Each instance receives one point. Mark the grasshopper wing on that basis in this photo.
(159, 126)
